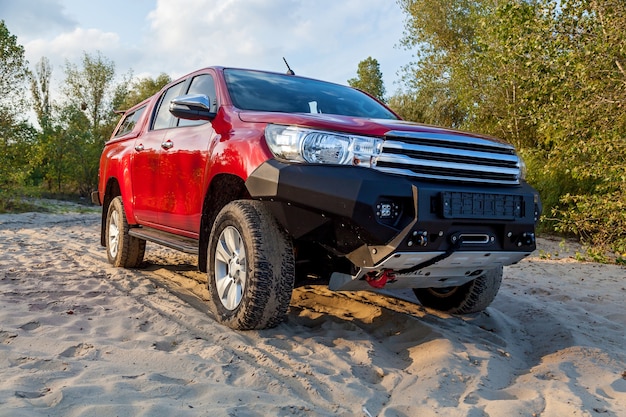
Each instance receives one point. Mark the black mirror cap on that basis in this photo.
(192, 107)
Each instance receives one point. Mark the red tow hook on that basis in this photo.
(380, 279)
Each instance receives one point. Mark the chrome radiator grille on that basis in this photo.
(449, 157)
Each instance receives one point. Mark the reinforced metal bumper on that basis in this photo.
(457, 269)
(428, 234)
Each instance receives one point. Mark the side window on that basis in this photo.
(201, 84)
(164, 118)
(130, 121)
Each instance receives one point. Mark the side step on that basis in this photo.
(181, 243)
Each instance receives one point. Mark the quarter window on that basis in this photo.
(129, 123)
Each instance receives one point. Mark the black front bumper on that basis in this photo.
(350, 209)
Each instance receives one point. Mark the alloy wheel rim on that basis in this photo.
(230, 268)
(114, 234)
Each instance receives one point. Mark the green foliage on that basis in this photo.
(407, 107)
(143, 88)
(443, 77)
(598, 219)
(63, 155)
(546, 75)
(128, 93)
(73, 135)
(16, 136)
(16, 141)
(583, 127)
(13, 73)
(90, 87)
(83, 162)
(68, 153)
(40, 90)
(369, 78)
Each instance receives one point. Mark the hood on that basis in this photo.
(354, 125)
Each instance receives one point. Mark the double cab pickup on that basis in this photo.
(275, 180)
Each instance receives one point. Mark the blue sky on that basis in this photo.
(323, 39)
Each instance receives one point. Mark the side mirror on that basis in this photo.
(192, 107)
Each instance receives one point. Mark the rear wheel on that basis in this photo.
(251, 267)
(472, 297)
(122, 249)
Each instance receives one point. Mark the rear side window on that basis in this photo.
(129, 122)
(164, 118)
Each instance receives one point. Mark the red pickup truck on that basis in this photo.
(274, 180)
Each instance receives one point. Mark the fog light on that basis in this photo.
(387, 211)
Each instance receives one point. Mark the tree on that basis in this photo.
(87, 118)
(55, 150)
(16, 141)
(369, 78)
(40, 89)
(584, 125)
(143, 88)
(442, 33)
(84, 150)
(90, 87)
(13, 73)
(15, 134)
(407, 107)
(128, 93)
(548, 76)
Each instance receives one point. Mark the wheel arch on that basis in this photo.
(251, 282)
(223, 189)
(112, 190)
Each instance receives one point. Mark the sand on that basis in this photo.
(81, 338)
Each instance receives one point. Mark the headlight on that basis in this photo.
(321, 147)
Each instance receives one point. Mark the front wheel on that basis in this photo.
(251, 267)
(472, 297)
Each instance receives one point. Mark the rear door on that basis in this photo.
(145, 164)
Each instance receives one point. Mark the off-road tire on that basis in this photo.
(123, 250)
(472, 297)
(251, 291)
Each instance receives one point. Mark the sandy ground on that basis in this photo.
(80, 338)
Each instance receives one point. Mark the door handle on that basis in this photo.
(139, 147)
(168, 144)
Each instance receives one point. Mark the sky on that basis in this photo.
(323, 39)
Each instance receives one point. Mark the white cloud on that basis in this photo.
(70, 46)
(32, 18)
(219, 32)
(324, 39)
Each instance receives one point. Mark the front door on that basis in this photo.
(183, 165)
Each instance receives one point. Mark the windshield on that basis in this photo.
(262, 91)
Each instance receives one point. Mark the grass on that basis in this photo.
(15, 205)
(33, 200)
